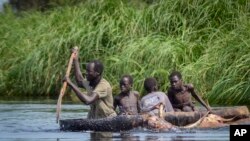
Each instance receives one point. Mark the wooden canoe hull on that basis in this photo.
(118, 123)
(128, 122)
(184, 118)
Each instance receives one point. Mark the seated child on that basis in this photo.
(180, 94)
(127, 100)
(151, 102)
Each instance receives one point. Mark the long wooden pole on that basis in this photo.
(63, 89)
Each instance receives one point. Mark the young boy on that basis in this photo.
(180, 94)
(151, 102)
(127, 100)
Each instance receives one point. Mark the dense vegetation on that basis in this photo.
(208, 41)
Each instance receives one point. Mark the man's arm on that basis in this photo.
(86, 99)
(77, 72)
(169, 107)
(170, 96)
(115, 102)
(81, 82)
(193, 93)
(137, 95)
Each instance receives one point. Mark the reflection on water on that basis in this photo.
(35, 122)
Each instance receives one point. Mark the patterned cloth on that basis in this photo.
(151, 100)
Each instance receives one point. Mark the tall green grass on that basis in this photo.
(208, 41)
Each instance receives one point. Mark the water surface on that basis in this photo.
(35, 121)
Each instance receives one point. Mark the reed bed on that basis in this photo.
(208, 41)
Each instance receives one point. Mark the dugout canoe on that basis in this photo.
(184, 118)
(128, 122)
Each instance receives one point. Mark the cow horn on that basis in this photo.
(228, 120)
(196, 123)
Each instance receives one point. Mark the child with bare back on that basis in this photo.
(127, 100)
(180, 94)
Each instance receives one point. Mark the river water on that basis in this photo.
(36, 121)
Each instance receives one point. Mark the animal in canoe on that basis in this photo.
(207, 121)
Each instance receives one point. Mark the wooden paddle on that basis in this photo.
(62, 91)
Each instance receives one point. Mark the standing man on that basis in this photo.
(99, 93)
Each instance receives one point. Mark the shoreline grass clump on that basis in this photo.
(208, 41)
